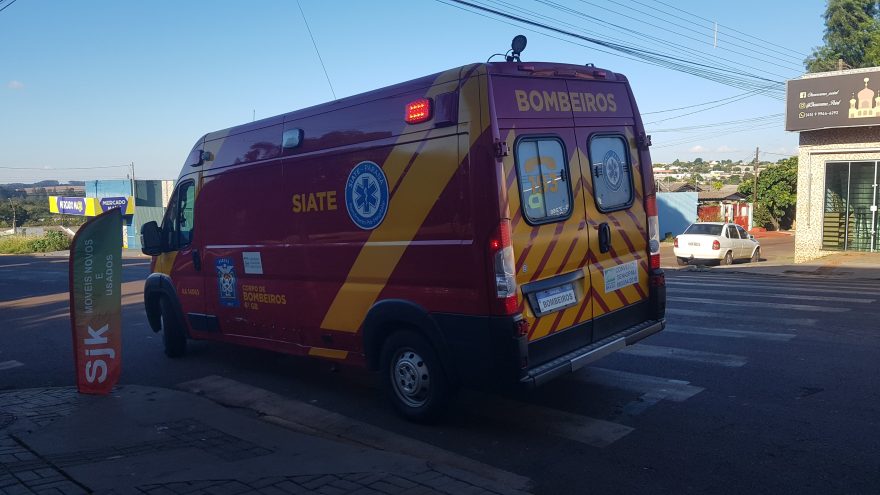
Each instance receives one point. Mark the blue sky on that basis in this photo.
(103, 83)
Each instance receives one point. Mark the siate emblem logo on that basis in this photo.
(366, 195)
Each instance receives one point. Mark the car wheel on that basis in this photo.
(681, 261)
(756, 256)
(173, 334)
(413, 377)
(728, 259)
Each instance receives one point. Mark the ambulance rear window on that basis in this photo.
(543, 179)
(612, 172)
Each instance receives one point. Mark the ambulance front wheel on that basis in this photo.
(413, 377)
(173, 335)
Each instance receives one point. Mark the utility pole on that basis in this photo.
(755, 172)
(12, 203)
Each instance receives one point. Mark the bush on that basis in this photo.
(52, 241)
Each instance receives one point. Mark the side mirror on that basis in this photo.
(151, 239)
(751, 237)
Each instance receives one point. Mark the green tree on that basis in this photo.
(852, 34)
(777, 194)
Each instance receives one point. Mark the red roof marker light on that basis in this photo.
(418, 111)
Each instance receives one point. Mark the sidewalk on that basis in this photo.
(149, 440)
(839, 266)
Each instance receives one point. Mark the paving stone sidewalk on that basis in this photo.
(147, 440)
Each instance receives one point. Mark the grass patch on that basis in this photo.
(16, 244)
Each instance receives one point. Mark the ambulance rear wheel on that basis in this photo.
(413, 377)
(173, 335)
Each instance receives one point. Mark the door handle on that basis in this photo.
(197, 260)
(604, 237)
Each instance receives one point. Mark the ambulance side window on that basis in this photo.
(177, 224)
(542, 171)
(611, 169)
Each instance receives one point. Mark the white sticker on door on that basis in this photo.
(253, 264)
(621, 276)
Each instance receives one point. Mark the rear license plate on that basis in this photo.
(694, 244)
(555, 298)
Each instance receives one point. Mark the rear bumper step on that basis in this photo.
(579, 358)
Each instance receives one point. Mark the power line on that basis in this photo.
(7, 5)
(61, 169)
(729, 99)
(730, 28)
(686, 36)
(316, 48)
(677, 46)
(724, 76)
(752, 120)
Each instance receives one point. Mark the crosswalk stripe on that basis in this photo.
(783, 281)
(667, 388)
(732, 285)
(776, 295)
(576, 427)
(758, 304)
(646, 350)
(727, 332)
(8, 365)
(744, 317)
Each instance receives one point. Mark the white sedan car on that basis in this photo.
(720, 241)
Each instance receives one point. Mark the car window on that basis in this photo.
(612, 173)
(731, 232)
(704, 229)
(543, 172)
(742, 232)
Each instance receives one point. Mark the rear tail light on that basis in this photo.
(716, 245)
(653, 231)
(418, 111)
(675, 242)
(505, 269)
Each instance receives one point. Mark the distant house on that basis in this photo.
(725, 204)
(726, 193)
(676, 187)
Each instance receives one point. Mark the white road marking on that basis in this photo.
(576, 427)
(665, 388)
(744, 317)
(786, 288)
(785, 281)
(8, 365)
(645, 350)
(740, 292)
(730, 333)
(11, 265)
(758, 304)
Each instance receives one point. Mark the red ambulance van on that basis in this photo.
(492, 224)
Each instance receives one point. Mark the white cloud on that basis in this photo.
(697, 149)
(725, 149)
(15, 85)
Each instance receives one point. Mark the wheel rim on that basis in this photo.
(757, 255)
(728, 259)
(410, 378)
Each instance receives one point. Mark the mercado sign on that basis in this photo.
(96, 303)
(849, 99)
(90, 207)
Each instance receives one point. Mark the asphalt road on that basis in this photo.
(760, 384)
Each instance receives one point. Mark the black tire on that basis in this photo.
(681, 261)
(173, 334)
(756, 256)
(413, 377)
(728, 259)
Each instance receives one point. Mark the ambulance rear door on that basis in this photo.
(613, 201)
